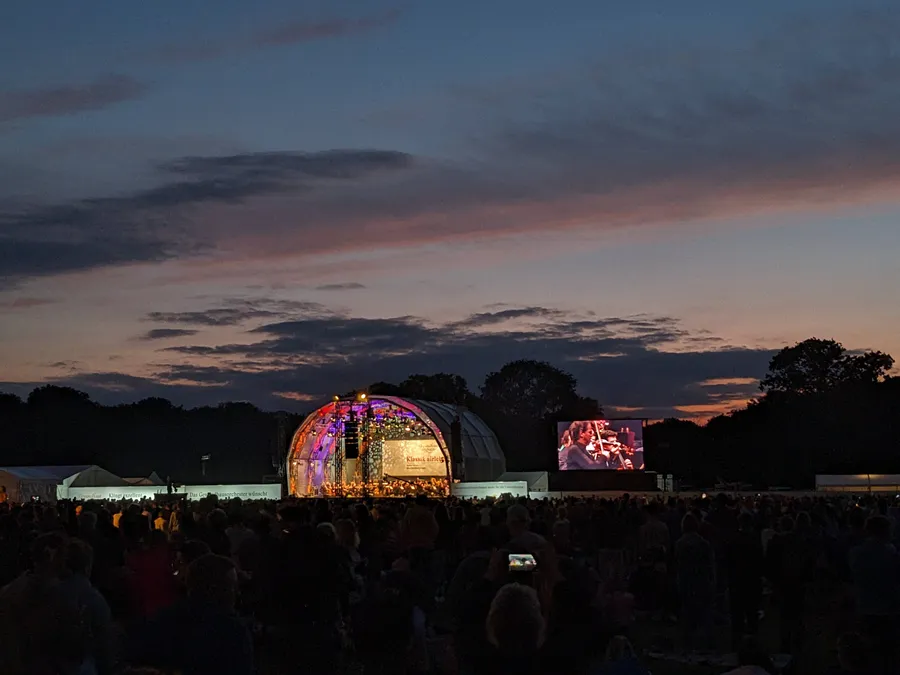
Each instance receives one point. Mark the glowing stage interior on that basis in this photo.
(401, 451)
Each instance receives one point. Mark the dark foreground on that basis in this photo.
(424, 586)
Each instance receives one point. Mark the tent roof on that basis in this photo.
(478, 441)
(152, 479)
(533, 478)
(57, 473)
(95, 476)
(858, 479)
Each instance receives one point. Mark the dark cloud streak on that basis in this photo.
(349, 286)
(22, 258)
(240, 311)
(314, 352)
(150, 225)
(289, 33)
(643, 361)
(69, 99)
(167, 334)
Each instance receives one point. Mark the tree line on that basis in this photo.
(821, 409)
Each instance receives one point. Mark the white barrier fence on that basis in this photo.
(192, 492)
(482, 490)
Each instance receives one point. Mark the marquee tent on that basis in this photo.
(538, 481)
(49, 483)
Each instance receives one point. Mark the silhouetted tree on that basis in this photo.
(60, 425)
(383, 389)
(580, 408)
(530, 389)
(52, 397)
(10, 403)
(522, 402)
(676, 446)
(817, 366)
(440, 387)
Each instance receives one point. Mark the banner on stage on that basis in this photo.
(420, 457)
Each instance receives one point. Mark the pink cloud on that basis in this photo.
(300, 228)
(26, 303)
(620, 151)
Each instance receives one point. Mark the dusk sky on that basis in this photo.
(282, 200)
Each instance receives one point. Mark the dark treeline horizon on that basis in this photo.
(822, 409)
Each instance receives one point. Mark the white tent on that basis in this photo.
(49, 483)
(95, 476)
(538, 481)
(152, 479)
(24, 483)
(861, 482)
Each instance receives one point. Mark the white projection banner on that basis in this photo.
(415, 457)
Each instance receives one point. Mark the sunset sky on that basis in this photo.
(281, 200)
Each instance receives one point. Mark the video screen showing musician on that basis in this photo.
(604, 445)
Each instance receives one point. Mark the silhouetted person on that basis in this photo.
(792, 557)
(90, 605)
(151, 581)
(695, 574)
(215, 533)
(518, 522)
(752, 659)
(854, 655)
(515, 630)
(304, 595)
(620, 659)
(744, 559)
(875, 567)
(202, 634)
(41, 633)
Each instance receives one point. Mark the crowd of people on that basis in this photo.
(426, 586)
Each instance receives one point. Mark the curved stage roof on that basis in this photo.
(311, 456)
(481, 453)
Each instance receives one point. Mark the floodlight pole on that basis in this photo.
(282, 451)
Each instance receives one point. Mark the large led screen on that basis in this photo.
(601, 445)
(421, 457)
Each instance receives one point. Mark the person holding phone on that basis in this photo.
(518, 523)
(516, 629)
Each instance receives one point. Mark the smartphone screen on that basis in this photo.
(522, 562)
